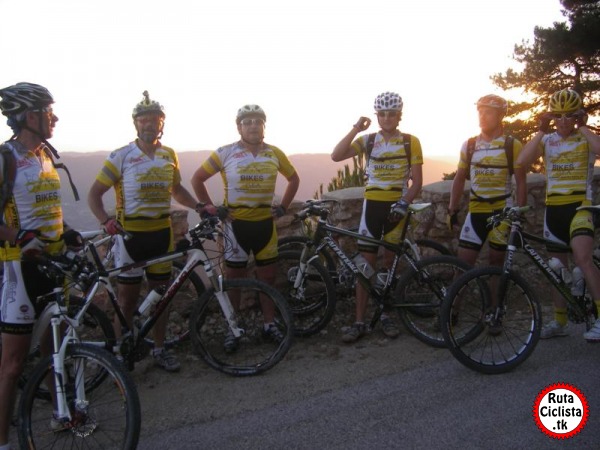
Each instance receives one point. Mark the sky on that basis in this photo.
(314, 66)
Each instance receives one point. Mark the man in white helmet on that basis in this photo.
(393, 159)
(145, 175)
(249, 168)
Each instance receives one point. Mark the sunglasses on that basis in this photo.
(249, 122)
(47, 110)
(564, 116)
(386, 114)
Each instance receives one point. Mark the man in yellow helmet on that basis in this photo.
(569, 154)
(145, 175)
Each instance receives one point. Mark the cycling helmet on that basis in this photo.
(250, 110)
(389, 101)
(23, 97)
(493, 101)
(565, 101)
(147, 106)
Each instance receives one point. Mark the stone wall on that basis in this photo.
(431, 222)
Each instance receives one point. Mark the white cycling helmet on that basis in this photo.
(22, 97)
(147, 106)
(493, 101)
(250, 110)
(388, 101)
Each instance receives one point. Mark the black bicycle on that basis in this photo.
(491, 318)
(415, 290)
(344, 279)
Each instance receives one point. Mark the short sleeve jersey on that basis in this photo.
(35, 203)
(490, 177)
(249, 180)
(388, 168)
(143, 186)
(569, 168)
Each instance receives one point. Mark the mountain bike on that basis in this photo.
(343, 278)
(180, 307)
(491, 318)
(415, 292)
(81, 395)
(212, 316)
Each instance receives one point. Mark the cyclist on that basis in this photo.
(31, 221)
(486, 164)
(145, 175)
(249, 169)
(569, 154)
(390, 166)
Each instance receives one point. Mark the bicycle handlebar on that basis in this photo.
(206, 229)
(509, 213)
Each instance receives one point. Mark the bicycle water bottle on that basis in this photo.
(151, 299)
(559, 269)
(363, 265)
(578, 286)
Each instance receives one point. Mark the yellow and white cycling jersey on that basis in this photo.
(249, 180)
(143, 185)
(489, 173)
(569, 168)
(35, 203)
(388, 167)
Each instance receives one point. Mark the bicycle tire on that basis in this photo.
(180, 307)
(419, 294)
(429, 248)
(297, 243)
(96, 327)
(312, 304)
(112, 415)
(254, 354)
(470, 336)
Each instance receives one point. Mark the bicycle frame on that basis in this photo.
(323, 238)
(196, 255)
(519, 238)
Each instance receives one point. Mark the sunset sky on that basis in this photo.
(314, 66)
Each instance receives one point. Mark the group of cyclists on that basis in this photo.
(145, 177)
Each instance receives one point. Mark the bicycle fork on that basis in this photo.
(63, 412)
(217, 284)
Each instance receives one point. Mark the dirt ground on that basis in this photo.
(314, 364)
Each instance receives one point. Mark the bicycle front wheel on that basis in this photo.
(312, 303)
(109, 416)
(255, 351)
(419, 295)
(95, 328)
(491, 321)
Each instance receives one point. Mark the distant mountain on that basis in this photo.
(313, 169)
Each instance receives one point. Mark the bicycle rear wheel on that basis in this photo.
(491, 321)
(312, 304)
(110, 416)
(429, 248)
(419, 295)
(297, 243)
(180, 308)
(253, 352)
